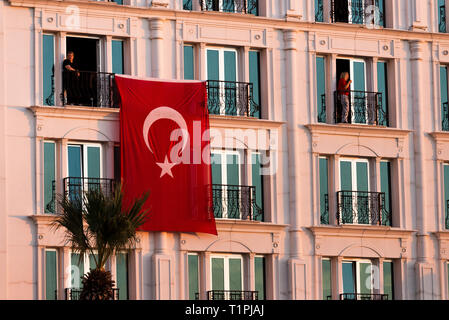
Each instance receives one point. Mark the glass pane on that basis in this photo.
(51, 279)
(385, 187)
(117, 56)
(382, 87)
(235, 274)
(359, 76)
(259, 275)
(48, 61)
(321, 89)
(230, 74)
(388, 280)
(257, 183)
(217, 273)
(346, 175)
(74, 161)
(348, 277)
(319, 11)
(193, 276)
(365, 274)
(93, 162)
(122, 275)
(92, 263)
(77, 270)
(446, 194)
(234, 193)
(254, 78)
(189, 73)
(327, 279)
(444, 98)
(324, 185)
(49, 177)
(213, 72)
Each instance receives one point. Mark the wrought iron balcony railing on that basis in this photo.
(324, 210)
(359, 12)
(442, 23)
(91, 89)
(364, 108)
(75, 187)
(239, 6)
(74, 294)
(230, 295)
(231, 98)
(362, 208)
(235, 202)
(363, 296)
(322, 117)
(445, 117)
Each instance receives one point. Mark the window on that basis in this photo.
(80, 265)
(326, 278)
(388, 279)
(51, 274)
(193, 271)
(259, 276)
(385, 188)
(324, 190)
(441, 15)
(319, 17)
(321, 89)
(358, 277)
(257, 182)
(122, 282)
(189, 70)
(382, 87)
(227, 272)
(254, 79)
(444, 98)
(187, 4)
(48, 69)
(446, 193)
(117, 57)
(49, 176)
(242, 6)
(359, 11)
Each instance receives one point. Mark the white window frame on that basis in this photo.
(84, 147)
(226, 278)
(357, 284)
(57, 271)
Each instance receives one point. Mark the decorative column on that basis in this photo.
(157, 44)
(110, 160)
(108, 54)
(337, 277)
(60, 54)
(294, 10)
(331, 86)
(334, 185)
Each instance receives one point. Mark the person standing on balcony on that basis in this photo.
(343, 95)
(70, 77)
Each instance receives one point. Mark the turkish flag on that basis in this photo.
(165, 150)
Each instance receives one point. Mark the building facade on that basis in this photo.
(352, 207)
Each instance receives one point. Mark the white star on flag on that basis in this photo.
(166, 167)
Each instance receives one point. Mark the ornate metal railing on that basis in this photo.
(50, 207)
(362, 208)
(359, 12)
(445, 117)
(364, 108)
(240, 6)
(324, 210)
(74, 294)
(231, 98)
(91, 89)
(50, 100)
(230, 295)
(319, 16)
(363, 296)
(75, 187)
(322, 114)
(235, 202)
(442, 24)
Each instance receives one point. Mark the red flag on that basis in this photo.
(163, 151)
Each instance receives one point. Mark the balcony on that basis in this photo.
(363, 296)
(89, 89)
(230, 295)
(235, 202)
(231, 98)
(364, 108)
(362, 208)
(363, 12)
(445, 117)
(74, 294)
(236, 6)
(75, 187)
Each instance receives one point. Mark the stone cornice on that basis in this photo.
(275, 23)
(358, 130)
(217, 121)
(249, 226)
(111, 114)
(442, 136)
(361, 232)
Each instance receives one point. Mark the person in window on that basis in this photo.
(343, 95)
(70, 79)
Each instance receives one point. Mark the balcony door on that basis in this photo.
(222, 75)
(354, 201)
(84, 168)
(349, 11)
(226, 180)
(359, 113)
(358, 278)
(226, 274)
(80, 265)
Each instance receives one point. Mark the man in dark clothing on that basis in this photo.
(70, 79)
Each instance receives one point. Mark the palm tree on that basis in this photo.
(95, 221)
